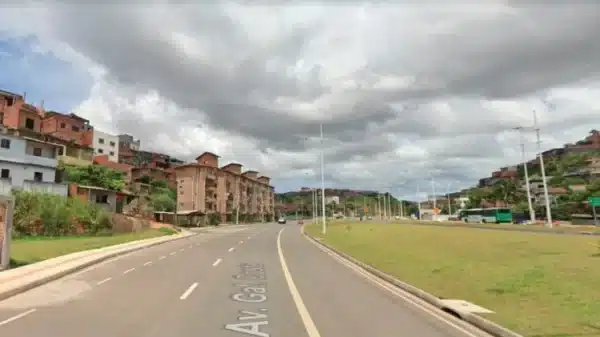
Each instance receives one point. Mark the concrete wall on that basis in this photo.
(106, 144)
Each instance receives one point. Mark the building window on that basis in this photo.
(37, 151)
(101, 140)
(75, 128)
(38, 176)
(29, 123)
(63, 125)
(102, 199)
(5, 174)
(61, 151)
(111, 153)
(100, 151)
(112, 144)
(5, 143)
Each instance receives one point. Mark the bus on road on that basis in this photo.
(486, 215)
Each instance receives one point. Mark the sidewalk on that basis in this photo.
(18, 280)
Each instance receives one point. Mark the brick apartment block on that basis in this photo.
(206, 188)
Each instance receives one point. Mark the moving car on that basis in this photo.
(281, 220)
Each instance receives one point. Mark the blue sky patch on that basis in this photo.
(41, 76)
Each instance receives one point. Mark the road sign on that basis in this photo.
(594, 201)
(436, 211)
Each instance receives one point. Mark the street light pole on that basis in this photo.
(547, 199)
(449, 201)
(324, 229)
(527, 186)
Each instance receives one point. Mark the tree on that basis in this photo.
(96, 175)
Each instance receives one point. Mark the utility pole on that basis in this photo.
(314, 204)
(324, 229)
(449, 201)
(527, 186)
(433, 190)
(379, 213)
(545, 183)
(419, 201)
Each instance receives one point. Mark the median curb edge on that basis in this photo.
(473, 319)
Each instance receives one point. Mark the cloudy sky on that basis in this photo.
(404, 92)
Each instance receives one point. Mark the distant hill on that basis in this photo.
(349, 201)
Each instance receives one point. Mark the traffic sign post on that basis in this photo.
(594, 202)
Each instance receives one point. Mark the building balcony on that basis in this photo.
(41, 161)
(74, 161)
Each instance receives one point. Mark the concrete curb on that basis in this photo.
(80, 266)
(475, 320)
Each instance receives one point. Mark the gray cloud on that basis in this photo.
(417, 93)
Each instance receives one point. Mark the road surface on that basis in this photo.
(261, 280)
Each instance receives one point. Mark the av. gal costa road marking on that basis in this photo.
(14, 318)
(253, 290)
(309, 324)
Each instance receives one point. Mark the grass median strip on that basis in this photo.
(34, 249)
(536, 284)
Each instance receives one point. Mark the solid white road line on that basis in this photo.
(148, 263)
(309, 325)
(418, 303)
(14, 318)
(188, 291)
(172, 253)
(162, 257)
(231, 249)
(104, 281)
(216, 263)
(128, 271)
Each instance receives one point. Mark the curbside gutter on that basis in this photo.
(473, 319)
(59, 271)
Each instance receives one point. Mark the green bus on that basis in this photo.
(486, 215)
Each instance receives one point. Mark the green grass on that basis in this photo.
(537, 228)
(34, 249)
(537, 284)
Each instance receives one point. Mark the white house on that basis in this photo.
(28, 164)
(105, 143)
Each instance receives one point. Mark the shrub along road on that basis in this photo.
(537, 285)
(26, 250)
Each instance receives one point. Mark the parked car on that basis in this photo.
(281, 220)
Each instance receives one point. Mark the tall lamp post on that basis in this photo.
(527, 186)
(324, 219)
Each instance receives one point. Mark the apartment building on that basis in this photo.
(127, 142)
(28, 164)
(16, 114)
(206, 188)
(70, 132)
(106, 144)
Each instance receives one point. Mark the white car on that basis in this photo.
(281, 220)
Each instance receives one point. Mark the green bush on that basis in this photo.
(53, 215)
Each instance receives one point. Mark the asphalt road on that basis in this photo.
(244, 281)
